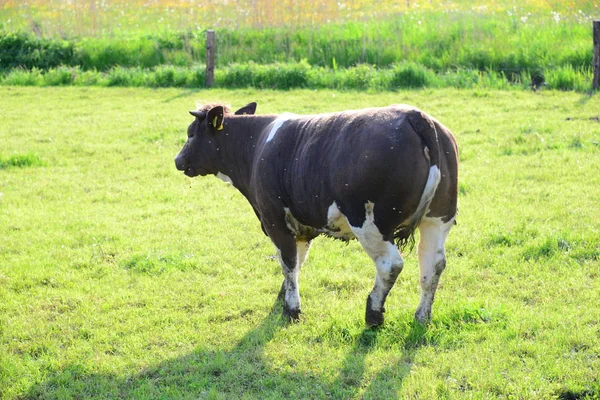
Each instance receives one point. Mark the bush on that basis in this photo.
(283, 76)
(120, 76)
(411, 75)
(360, 77)
(169, 76)
(569, 78)
(196, 77)
(272, 76)
(22, 50)
(299, 75)
(103, 54)
(22, 77)
(60, 76)
(235, 76)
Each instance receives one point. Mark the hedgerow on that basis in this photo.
(285, 76)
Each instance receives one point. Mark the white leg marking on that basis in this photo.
(432, 261)
(277, 124)
(224, 177)
(292, 288)
(386, 256)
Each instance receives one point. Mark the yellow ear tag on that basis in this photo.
(214, 122)
(220, 128)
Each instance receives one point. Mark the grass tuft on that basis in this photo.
(20, 161)
(157, 264)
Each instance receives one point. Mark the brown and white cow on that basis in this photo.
(374, 174)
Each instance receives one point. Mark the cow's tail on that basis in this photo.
(425, 128)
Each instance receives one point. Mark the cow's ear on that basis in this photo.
(215, 117)
(198, 114)
(249, 109)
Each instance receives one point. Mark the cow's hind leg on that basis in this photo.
(432, 261)
(388, 262)
(292, 256)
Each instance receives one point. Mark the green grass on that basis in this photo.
(298, 75)
(121, 278)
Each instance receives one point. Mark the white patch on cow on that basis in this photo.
(337, 224)
(386, 256)
(302, 249)
(433, 180)
(292, 288)
(275, 125)
(224, 177)
(432, 261)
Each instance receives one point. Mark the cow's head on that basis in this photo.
(199, 155)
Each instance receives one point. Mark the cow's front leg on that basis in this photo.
(292, 254)
(302, 248)
(432, 261)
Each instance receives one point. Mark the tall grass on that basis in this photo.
(66, 18)
(436, 40)
(457, 41)
(285, 76)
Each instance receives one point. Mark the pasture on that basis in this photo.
(122, 278)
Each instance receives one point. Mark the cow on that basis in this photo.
(375, 175)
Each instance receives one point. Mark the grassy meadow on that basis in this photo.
(122, 278)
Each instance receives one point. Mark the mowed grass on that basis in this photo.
(122, 278)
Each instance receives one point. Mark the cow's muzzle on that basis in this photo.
(187, 169)
(180, 164)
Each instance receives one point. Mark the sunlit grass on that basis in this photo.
(122, 278)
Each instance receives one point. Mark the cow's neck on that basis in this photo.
(239, 143)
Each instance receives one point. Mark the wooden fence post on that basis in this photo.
(209, 78)
(596, 81)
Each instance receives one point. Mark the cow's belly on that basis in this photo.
(337, 226)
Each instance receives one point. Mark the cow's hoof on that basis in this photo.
(373, 317)
(423, 316)
(292, 315)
